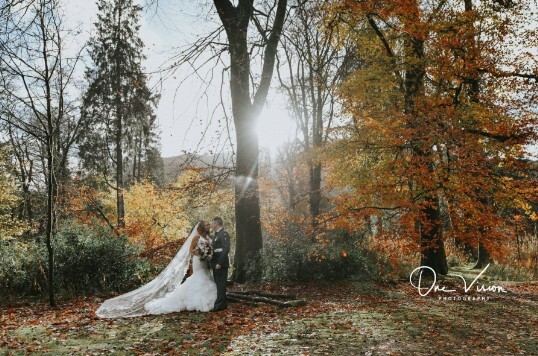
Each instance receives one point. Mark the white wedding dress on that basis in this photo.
(198, 292)
(165, 293)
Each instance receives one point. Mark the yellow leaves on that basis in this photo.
(9, 226)
(155, 216)
(527, 208)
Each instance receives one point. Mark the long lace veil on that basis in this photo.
(132, 304)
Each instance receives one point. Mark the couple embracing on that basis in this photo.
(204, 290)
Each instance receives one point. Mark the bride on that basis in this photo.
(165, 293)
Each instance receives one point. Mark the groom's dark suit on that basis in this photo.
(221, 248)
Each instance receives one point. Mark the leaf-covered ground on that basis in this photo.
(348, 317)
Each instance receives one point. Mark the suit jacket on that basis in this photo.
(221, 248)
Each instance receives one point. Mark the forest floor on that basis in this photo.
(345, 317)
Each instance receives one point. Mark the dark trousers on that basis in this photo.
(220, 276)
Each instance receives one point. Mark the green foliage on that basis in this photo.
(19, 268)
(339, 256)
(86, 261)
(502, 272)
(118, 106)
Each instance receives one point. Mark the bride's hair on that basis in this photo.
(202, 230)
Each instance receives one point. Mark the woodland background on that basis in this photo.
(415, 144)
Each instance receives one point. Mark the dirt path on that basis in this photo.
(350, 317)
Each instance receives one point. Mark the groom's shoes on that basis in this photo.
(213, 310)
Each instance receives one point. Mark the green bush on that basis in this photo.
(501, 272)
(86, 261)
(19, 268)
(299, 259)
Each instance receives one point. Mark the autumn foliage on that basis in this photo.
(154, 216)
(440, 122)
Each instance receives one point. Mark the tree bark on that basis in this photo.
(483, 257)
(433, 252)
(432, 246)
(119, 174)
(474, 92)
(120, 205)
(135, 156)
(315, 193)
(247, 207)
(51, 178)
(50, 221)
(139, 165)
(235, 20)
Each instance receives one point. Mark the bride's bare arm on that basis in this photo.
(193, 245)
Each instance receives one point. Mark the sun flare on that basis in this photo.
(275, 128)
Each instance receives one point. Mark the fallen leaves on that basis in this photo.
(346, 316)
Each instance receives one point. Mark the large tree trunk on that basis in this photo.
(432, 247)
(474, 91)
(433, 252)
(235, 20)
(483, 257)
(247, 206)
(247, 197)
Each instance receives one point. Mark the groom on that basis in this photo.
(220, 262)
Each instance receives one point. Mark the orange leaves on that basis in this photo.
(153, 216)
(455, 140)
(346, 315)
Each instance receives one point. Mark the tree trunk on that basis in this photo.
(433, 252)
(474, 91)
(247, 206)
(28, 203)
(247, 199)
(120, 206)
(139, 165)
(50, 173)
(50, 220)
(467, 249)
(483, 257)
(317, 137)
(235, 20)
(135, 156)
(119, 175)
(315, 193)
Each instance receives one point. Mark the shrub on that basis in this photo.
(296, 258)
(502, 272)
(86, 261)
(19, 267)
